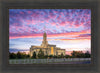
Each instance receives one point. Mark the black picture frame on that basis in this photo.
(5, 5)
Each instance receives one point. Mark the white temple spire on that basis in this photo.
(44, 28)
(44, 42)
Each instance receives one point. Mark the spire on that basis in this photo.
(44, 28)
(44, 37)
(44, 42)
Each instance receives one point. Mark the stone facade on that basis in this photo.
(48, 49)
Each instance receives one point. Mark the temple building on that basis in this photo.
(48, 49)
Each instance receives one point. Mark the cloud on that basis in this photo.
(16, 50)
(85, 35)
(25, 23)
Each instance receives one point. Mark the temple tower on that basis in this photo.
(44, 42)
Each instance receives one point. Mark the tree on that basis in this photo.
(46, 56)
(54, 56)
(27, 56)
(19, 56)
(67, 56)
(62, 56)
(23, 55)
(50, 56)
(34, 55)
(87, 54)
(73, 54)
(12, 55)
(59, 56)
(41, 54)
(77, 54)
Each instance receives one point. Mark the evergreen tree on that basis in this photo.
(62, 55)
(34, 55)
(41, 54)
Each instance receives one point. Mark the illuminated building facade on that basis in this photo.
(48, 49)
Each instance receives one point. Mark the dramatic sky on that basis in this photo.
(69, 29)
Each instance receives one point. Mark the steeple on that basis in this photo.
(44, 37)
(44, 29)
(44, 42)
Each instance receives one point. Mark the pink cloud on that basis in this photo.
(63, 23)
(21, 12)
(53, 23)
(52, 16)
(26, 36)
(29, 12)
(68, 34)
(59, 17)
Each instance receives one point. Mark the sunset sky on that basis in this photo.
(68, 29)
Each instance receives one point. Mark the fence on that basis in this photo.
(43, 61)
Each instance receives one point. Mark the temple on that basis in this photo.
(48, 49)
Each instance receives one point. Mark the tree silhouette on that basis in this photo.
(62, 55)
(87, 54)
(46, 56)
(77, 54)
(50, 56)
(19, 56)
(67, 56)
(73, 54)
(34, 55)
(27, 56)
(80, 54)
(41, 54)
(12, 55)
